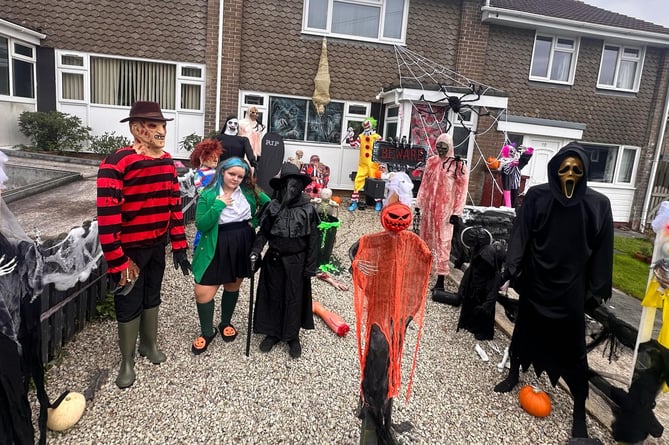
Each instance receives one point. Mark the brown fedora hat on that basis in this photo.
(146, 110)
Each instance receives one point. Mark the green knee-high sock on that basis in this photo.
(206, 313)
(228, 304)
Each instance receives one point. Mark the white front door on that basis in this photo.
(544, 149)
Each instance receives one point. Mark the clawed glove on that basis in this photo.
(181, 260)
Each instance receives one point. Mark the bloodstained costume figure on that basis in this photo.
(234, 144)
(442, 193)
(319, 174)
(250, 128)
(289, 225)
(366, 168)
(139, 209)
(560, 260)
(390, 274)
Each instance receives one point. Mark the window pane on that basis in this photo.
(602, 162)
(326, 127)
(357, 109)
(391, 130)
(393, 112)
(73, 86)
(542, 50)
(355, 20)
(392, 26)
(254, 100)
(626, 165)
(564, 44)
(23, 79)
(190, 97)
(72, 60)
(4, 66)
(190, 71)
(608, 68)
(23, 50)
(626, 74)
(461, 141)
(318, 14)
(561, 66)
(288, 117)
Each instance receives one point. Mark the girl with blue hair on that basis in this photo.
(226, 215)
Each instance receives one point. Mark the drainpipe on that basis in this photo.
(658, 151)
(219, 63)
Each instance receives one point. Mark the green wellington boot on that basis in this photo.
(148, 333)
(127, 340)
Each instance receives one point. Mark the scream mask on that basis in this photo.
(149, 133)
(232, 126)
(396, 217)
(570, 173)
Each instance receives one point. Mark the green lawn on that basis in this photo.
(630, 275)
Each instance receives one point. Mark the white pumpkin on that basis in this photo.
(67, 413)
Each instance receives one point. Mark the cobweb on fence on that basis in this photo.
(459, 93)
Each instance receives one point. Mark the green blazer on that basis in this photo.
(207, 213)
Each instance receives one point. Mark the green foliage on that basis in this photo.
(105, 309)
(189, 142)
(630, 274)
(108, 143)
(53, 131)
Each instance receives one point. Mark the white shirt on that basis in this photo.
(238, 210)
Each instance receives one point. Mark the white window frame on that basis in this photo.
(620, 149)
(620, 58)
(381, 4)
(190, 80)
(12, 56)
(554, 41)
(62, 68)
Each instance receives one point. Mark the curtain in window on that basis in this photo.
(626, 74)
(4, 66)
(73, 86)
(190, 97)
(355, 20)
(561, 66)
(105, 75)
(626, 166)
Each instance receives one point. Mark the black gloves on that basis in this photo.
(254, 259)
(181, 260)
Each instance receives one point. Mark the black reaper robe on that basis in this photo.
(284, 301)
(559, 259)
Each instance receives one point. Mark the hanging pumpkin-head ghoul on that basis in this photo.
(396, 217)
(570, 173)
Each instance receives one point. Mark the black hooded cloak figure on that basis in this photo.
(289, 225)
(560, 260)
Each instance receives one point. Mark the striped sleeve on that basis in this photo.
(109, 200)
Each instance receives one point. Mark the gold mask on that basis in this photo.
(570, 173)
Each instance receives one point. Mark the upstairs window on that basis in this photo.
(17, 68)
(369, 20)
(620, 67)
(554, 59)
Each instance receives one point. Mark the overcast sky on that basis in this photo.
(654, 11)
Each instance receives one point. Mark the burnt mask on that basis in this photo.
(149, 133)
(570, 174)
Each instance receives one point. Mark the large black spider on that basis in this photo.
(457, 104)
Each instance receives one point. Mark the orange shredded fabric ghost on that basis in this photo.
(391, 275)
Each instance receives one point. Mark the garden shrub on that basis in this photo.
(108, 143)
(53, 130)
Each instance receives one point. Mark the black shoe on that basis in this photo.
(201, 343)
(295, 348)
(268, 343)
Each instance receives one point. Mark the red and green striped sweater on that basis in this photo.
(138, 203)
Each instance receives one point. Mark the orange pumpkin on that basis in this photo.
(493, 163)
(534, 401)
(336, 199)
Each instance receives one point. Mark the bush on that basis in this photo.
(53, 130)
(189, 142)
(108, 143)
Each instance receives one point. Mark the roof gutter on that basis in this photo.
(535, 21)
(21, 32)
(219, 63)
(656, 159)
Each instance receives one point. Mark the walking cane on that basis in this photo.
(250, 323)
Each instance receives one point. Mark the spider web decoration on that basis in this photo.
(430, 118)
